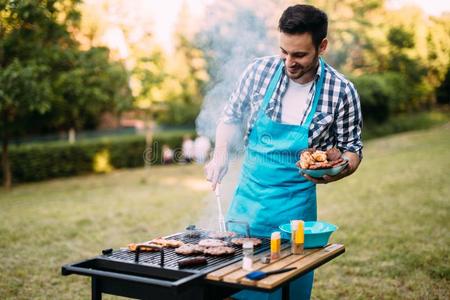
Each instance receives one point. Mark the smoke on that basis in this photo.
(234, 33)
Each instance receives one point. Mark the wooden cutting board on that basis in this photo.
(309, 260)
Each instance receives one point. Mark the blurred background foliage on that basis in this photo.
(59, 73)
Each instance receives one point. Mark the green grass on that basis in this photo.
(46, 225)
(393, 216)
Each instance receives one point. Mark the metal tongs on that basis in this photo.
(222, 227)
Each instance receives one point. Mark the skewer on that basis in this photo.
(219, 208)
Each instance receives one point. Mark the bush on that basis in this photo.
(443, 91)
(35, 162)
(382, 94)
(405, 122)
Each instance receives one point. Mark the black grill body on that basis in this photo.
(116, 272)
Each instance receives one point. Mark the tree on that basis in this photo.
(27, 31)
(148, 76)
(84, 91)
(184, 86)
(443, 91)
(43, 71)
(438, 50)
(20, 91)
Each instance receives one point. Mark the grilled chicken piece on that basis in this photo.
(319, 159)
(319, 156)
(133, 247)
(167, 243)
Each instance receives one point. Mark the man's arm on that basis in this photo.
(348, 126)
(218, 166)
(229, 128)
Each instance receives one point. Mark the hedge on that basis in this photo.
(383, 95)
(35, 162)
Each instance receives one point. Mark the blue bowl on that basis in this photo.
(321, 172)
(317, 233)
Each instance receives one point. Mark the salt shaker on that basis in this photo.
(247, 260)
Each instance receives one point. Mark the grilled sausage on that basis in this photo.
(193, 261)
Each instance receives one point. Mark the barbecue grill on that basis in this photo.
(153, 275)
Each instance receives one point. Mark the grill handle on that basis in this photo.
(160, 249)
(247, 227)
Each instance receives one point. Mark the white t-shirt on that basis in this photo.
(295, 102)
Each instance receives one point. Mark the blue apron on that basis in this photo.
(271, 191)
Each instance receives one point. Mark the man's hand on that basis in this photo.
(226, 136)
(353, 163)
(217, 168)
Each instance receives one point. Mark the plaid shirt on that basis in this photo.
(336, 122)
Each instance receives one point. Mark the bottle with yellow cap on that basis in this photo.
(275, 245)
(297, 236)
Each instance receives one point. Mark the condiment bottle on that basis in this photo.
(297, 236)
(247, 260)
(275, 245)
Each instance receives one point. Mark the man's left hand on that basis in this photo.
(353, 163)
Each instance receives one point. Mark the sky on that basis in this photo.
(139, 15)
(431, 7)
(163, 15)
(169, 9)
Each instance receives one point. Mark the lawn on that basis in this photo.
(393, 216)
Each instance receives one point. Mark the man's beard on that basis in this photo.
(303, 70)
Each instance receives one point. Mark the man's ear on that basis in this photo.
(323, 46)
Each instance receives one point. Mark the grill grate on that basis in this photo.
(171, 258)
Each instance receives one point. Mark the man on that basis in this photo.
(288, 103)
(187, 149)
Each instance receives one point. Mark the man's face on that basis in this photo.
(299, 53)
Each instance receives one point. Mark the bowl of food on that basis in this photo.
(317, 233)
(317, 163)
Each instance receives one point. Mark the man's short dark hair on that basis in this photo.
(302, 18)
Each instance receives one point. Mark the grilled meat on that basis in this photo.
(221, 235)
(189, 249)
(211, 243)
(193, 261)
(219, 251)
(133, 247)
(167, 243)
(240, 241)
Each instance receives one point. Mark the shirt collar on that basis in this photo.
(319, 69)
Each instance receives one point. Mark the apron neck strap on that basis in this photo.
(272, 85)
(317, 93)
(276, 78)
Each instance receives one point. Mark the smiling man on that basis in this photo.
(287, 103)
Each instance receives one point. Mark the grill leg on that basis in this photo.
(96, 292)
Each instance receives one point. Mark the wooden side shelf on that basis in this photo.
(309, 260)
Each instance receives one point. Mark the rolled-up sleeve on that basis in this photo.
(349, 122)
(238, 103)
